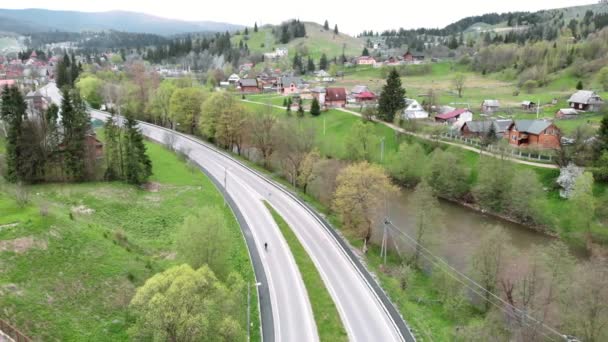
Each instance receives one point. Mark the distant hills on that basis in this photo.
(317, 41)
(25, 21)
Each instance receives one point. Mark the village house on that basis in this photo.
(365, 97)
(567, 113)
(335, 97)
(94, 146)
(480, 128)
(410, 58)
(278, 53)
(37, 102)
(323, 76)
(249, 86)
(234, 79)
(533, 133)
(289, 85)
(490, 106)
(319, 94)
(366, 60)
(358, 90)
(457, 117)
(585, 100)
(413, 110)
(528, 105)
(245, 67)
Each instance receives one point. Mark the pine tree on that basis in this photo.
(323, 62)
(62, 76)
(365, 52)
(326, 25)
(138, 167)
(300, 109)
(74, 71)
(391, 100)
(76, 124)
(246, 31)
(579, 85)
(13, 112)
(315, 109)
(297, 63)
(289, 103)
(255, 27)
(311, 65)
(113, 150)
(336, 29)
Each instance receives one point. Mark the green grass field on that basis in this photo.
(74, 278)
(328, 321)
(500, 86)
(337, 125)
(316, 42)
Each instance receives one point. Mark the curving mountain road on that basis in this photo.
(365, 310)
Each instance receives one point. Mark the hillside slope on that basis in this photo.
(37, 20)
(317, 41)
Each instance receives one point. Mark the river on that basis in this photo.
(461, 232)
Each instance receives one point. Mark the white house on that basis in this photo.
(281, 51)
(413, 110)
(234, 79)
(323, 76)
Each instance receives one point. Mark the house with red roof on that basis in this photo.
(366, 60)
(462, 114)
(365, 97)
(7, 83)
(335, 97)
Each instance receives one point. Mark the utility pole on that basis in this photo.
(384, 246)
(249, 309)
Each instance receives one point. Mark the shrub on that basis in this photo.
(529, 86)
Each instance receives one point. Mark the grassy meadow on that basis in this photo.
(316, 42)
(72, 257)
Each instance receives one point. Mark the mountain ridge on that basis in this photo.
(40, 20)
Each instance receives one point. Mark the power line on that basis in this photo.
(511, 314)
(439, 260)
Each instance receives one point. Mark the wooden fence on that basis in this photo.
(12, 333)
(516, 153)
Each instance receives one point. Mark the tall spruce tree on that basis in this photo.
(311, 65)
(74, 70)
(75, 123)
(326, 25)
(323, 62)
(391, 100)
(138, 167)
(113, 150)
(13, 113)
(255, 27)
(315, 108)
(336, 29)
(62, 75)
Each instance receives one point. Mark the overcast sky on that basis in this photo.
(351, 16)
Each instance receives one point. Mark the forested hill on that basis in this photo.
(502, 23)
(39, 20)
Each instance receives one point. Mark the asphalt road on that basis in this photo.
(365, 310)
(365, 316)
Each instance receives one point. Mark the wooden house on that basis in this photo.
(533, 133)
